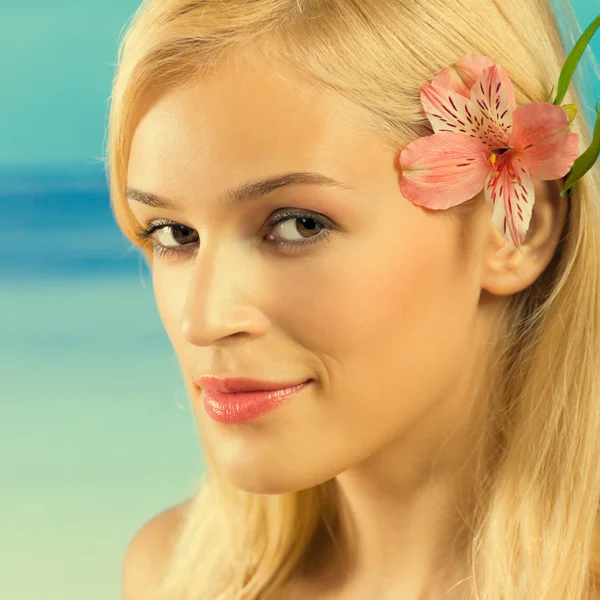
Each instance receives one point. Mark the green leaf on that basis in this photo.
(586, 161)
(573, 60)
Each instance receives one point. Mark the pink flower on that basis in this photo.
(483, 141)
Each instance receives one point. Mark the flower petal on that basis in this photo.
(511, 196)
(462, 75)
(542, 134)
(442, 170)
(494, 94)
(449, 111)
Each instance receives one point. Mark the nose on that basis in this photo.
(222, 296)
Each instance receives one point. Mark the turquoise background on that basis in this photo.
(95, 431)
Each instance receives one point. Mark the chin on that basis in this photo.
(271, 478)
(266, 481)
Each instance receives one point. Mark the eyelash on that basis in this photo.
(144, 234)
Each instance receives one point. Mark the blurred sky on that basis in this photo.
(57, 68)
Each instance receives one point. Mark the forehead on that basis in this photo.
(254, 117)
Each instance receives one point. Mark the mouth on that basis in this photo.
(242, 407)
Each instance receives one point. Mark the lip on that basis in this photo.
(233, 385)
(243, 407)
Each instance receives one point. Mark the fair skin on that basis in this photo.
(390, 315)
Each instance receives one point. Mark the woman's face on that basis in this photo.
(382, 312)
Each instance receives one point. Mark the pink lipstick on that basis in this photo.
(245, 406)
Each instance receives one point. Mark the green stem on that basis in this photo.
(586, 161)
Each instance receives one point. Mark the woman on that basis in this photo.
(438, 435)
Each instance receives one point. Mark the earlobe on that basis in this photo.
(508, 270)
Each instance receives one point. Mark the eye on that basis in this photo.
(290, 221)
(181, 234)
(157, 234)
(162, 233)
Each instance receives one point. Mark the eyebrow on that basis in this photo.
(245, 192)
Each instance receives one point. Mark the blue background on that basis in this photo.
(96, 435)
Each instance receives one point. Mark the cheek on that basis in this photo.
(170, 290)
(393, 320)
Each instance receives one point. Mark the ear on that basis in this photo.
(508, 270)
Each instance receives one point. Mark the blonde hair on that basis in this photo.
(534, 532)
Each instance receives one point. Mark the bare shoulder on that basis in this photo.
(148, 552)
